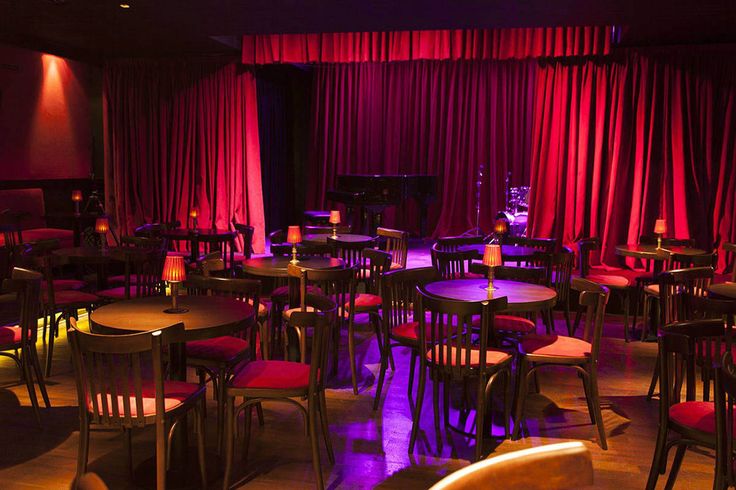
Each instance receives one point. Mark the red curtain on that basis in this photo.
(458, 44)
(617, 145)
(424, 117)
(180, 135)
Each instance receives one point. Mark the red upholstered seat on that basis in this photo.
(493, 356)
(9, 335)
(395, 265)
(221, 349)
(288, 312)
(515, 324)
(71, 297)
(175, 394)
(695, 415)
(67, 284)
(277, 375)
(118, 292)
(239, 257)
(555, 345)
(468, 275)
(283, 291)
(652, 289)
(120, 279)
(366, 300)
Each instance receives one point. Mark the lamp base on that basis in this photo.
(176, 310)
(488, 288)
(293, 261)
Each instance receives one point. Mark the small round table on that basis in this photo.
(321, 238)
(94, 256)
(194, 235)
(651, 252)
(277, 266)
(521, 296)
(509, 253)
(724, 290)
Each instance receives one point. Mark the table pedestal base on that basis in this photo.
(182, 474)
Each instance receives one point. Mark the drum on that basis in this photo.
(518, 225)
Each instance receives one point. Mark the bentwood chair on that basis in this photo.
(395, 242)
(287, 381)
(537, 351)
(137, 243)
(453, 265)
(561, 265)
(350, 252)
(399, 320)
(112, 391)
(142, 277)
(18, 342)
(725, 399)
(245, 232)
(455, 351)
(691, 422)
(453, 243)
(218, 357)
(551, 467)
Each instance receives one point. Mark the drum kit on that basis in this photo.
(517, 209)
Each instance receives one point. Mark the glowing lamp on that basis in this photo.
(174, 273)
(501, 227)
(660, 228)
(102, 226)
(335, 220)
(491, 259)
(194, 214)
(293, 236)
(76, 198)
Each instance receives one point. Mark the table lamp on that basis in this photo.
(491, 259)
(76, 198)
(660, 228)
(174, 273)
(500, 228)
(335, 220)
(293, 236)
(102, 226)
(194, 214)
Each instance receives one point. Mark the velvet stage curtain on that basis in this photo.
(180, 135)
(424, 117)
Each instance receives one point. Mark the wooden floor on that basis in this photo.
(371, 447)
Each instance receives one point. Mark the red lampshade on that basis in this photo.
(335, 217)
(660, 227)
(174, 269)
(294, 234)
(501, 226)
(102, 225)
(492, 255)
(193, 213)
(77, 195)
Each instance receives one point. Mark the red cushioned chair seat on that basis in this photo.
(493, 356)
(221, 349)
(509, 323)
(395, 265)
(120, 279)
(365, 300)
(9, 335)
(555, 345)
(118, 292)
(283, 291)
(70, 297)
(277, 375)
(695, 415)
(67, 284)
(468, 275)
(175, 394)
(239, 257)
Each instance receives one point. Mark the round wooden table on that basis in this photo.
(509, 253)
(725, 290)
(193, 236)
(651, 252)
(521, 296)
(277, 266)
(321, 238)
(94, 256)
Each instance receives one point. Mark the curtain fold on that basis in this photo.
(180, 135)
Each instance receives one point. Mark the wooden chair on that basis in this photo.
(537, 351)
(691, 421)
(453, 265)
(142, 277)
(453, 243)
(225, 244)
(453, 352)
(551, 467)
(218, 357)
(245, 232)
(113, 393)
(399, 319)
(561, 264)
(287, 381)
(544, 245)
(395, 242)
(132, 243)
(350, 252)
(18, 342)
(325, 229)
(676, 288)
(724, 408)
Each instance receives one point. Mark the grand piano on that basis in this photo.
(372, 194)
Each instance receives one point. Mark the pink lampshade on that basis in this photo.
(77, 195)
(660, 227)
(193, 213)
(102, 225)
(335, 217)
(501, 226)
(294, 234)
(174, 269)
(492, 255)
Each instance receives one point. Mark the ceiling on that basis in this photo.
(95, 30)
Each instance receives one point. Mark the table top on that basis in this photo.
(508, 252)
(729, 247)
(341, 237)
(187, 233)
(521, 296)
(651, 252)
(277, 266)
(725, 289)
(208, 316)
(88, 254)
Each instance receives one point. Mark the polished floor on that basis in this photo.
(371, 447)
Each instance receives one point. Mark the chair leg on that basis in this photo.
(382, 374)
(229, 440)
(199, 413)
(418, 407)
(676, 464)
(33, 354)
(626, 314)
(567, 316)
(436, 408)
(129, 450)
(28, 377)
(659, 453)
(645, 317)
(220, 393)
(53, 326)
(312, 412)
(247, 423)
(522, 386)
(588, 396)
(259, 413)
(446, 403)
(351, 354)
(596, 402)
(83, 450)
(480, 412)
(507, 404)
(325, 426)
(654, 381)
(412, 367)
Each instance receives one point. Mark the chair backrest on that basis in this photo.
(302, 249)
(395, 242)
(561, 265)
(551, 467)
(725, 399)
(350, 252)
(453, 243)
(449, 332)
(375, 263)
(223, 243)
(212, 264)
(594, 298)
(399, 295)
(277, 237)
(321, 320)
(451, 265)
(109, 371)
(678, 242)
(27, 286)
(684, 261)
(325, 230)
(338, 284)
(246, 234)
(143, 269)
(677, 287)
(531, 275)
(586, 246)
(545, 245)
